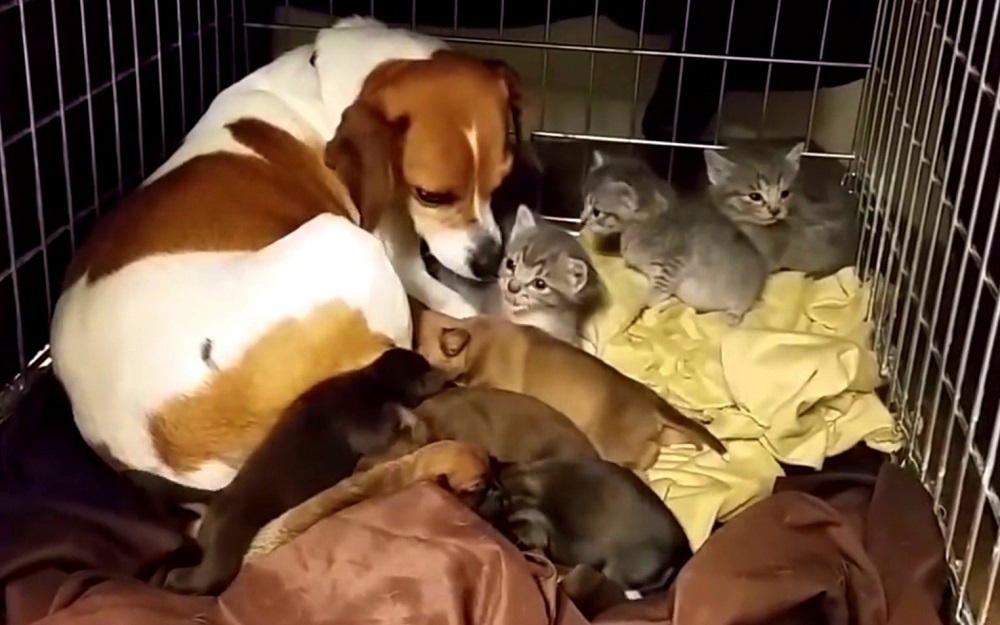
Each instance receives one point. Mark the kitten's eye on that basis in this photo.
(596, 212)
(509, 264)
(433, 198)
(756, 197)
(539, 284)
(785, 194)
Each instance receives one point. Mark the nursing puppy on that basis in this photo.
(511, 427)
(591, 513)
(625, 420)
(316, 444)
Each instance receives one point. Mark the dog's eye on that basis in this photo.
(756, 197)
(539, 284)
(785, 194)
(433, 198)
(509, 264)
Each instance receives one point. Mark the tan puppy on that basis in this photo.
(625, 420)
(511, 427)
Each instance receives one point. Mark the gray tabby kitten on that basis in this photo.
(545, 280)
(686, 248)
(796, 212)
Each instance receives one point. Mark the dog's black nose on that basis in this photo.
(486, 260)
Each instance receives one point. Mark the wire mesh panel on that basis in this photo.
(928, 174)
(93, 95)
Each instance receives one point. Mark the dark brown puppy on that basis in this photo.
(509, 426)
(316, 443)
(588, 512)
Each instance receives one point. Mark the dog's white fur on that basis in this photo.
(127, 343)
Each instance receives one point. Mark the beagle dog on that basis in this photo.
(277, 246)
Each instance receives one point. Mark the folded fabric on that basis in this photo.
(793, 383)
(826, 548)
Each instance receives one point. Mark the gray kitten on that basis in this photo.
(686, 248)
(796, 212)
(545, 280)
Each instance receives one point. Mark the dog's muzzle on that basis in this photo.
(484, 261)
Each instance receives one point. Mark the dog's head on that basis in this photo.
(391, 431)
(456, 112)
(408, 376)
(406, 433)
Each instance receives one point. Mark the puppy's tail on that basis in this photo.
(168, 491)
(698, 433)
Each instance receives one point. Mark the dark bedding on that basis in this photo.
(857, 543)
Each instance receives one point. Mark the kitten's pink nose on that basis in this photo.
(513, 286)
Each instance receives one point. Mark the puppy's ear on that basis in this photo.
(454, 341)
(365, 155)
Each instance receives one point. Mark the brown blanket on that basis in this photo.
(838, 549)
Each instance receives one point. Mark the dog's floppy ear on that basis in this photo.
(515, 93)
(365, 154)
(454, 340)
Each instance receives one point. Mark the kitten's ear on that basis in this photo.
(662, 199)
(718, 166)
(794, 156)
(597, 159)
(524, 221)
(577, 272)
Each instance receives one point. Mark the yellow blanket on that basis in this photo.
(793, 383)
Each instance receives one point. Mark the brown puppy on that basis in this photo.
(624, 419)
(316, 444)
(511, 427)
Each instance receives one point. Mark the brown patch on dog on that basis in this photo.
(366, 154)
(235, 202)
(229, 416)
(442, 98)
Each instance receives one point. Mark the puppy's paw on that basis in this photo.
(192, 580)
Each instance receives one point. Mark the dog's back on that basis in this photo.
(510, 426)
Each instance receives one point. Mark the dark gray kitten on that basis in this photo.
(545, 280)
(796, 212)
(686, 248)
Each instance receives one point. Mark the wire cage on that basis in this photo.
(94, 94)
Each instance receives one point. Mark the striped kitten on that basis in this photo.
(685, 247)
(796, 212)
(545, 280)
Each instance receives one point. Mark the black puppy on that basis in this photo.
(315, 444)
(588, 512)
